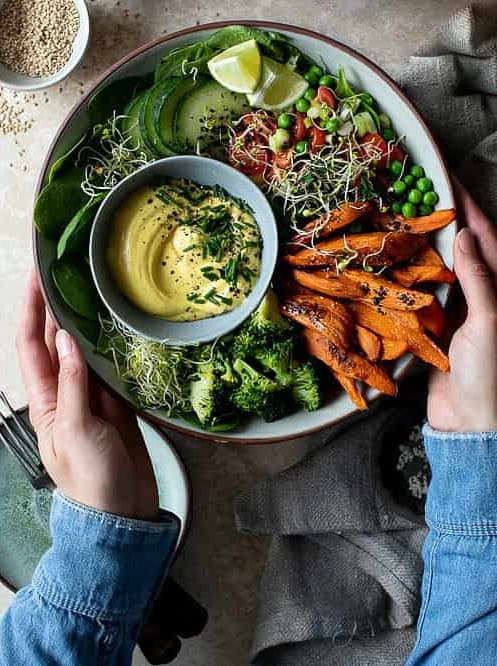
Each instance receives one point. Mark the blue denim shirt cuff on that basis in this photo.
(104, 566)
(462, 499)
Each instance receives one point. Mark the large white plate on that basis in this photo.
(363, 75)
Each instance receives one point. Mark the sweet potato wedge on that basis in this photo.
(369, 342)
(418, 225)
(426, 266)
(376, 249)
(341, 217)
(324, 315)
(347, 362)
(403, 326)
(350, 386)
(361, 286)
(392, 349)
(432, 318)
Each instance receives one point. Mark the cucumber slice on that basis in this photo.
(205, 111)
(156, 98)
(130, 124)
(165, 111)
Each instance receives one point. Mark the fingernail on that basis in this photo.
(63, 342)
(466, 241)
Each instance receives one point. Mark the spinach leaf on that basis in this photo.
(114, 97)
(88, 328)
(74, 281)
(77, 232)
(62, 161)
(181, 61)
(58, 202)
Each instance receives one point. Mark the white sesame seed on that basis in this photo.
(36, 36)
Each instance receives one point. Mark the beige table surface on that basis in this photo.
(218, 566)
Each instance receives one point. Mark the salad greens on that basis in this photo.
(331, 145)
(254, 371)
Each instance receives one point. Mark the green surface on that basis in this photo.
(24, 516)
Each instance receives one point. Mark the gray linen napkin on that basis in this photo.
(341, 584)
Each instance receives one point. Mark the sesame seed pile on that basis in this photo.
(36, 36)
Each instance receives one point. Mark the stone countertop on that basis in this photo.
(218, 566)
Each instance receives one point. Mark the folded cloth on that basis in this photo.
(453, 82)
(341, 584)
(342, 576)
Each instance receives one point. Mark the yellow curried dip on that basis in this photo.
(184, 252)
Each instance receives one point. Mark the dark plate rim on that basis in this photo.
(271, 25)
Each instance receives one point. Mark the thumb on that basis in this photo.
(475, 278)
(72, 393)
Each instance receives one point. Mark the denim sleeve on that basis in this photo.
(90, 590)
(458, 616)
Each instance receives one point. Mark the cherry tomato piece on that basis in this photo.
(325, 96)
(396, 153)
(299, 128)
(380, 145)
(317, 138)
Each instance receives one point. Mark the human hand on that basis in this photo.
(465, 400)
(89, 442)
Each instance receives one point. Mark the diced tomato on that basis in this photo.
(380, 145)
(325, 96)
(283, 158)
(299, 128)
(251, 157)
(260, 122)
(317, 138)
(396, 153)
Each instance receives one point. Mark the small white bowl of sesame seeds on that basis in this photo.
(41, 41)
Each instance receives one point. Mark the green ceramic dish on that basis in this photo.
(24, 512)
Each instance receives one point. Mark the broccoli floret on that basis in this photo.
(209, 395)
(278, 359)
(307, 390)
(266, 323)
(258, 394)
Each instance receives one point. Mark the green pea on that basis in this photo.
(396, 207)
(285, 120)
(409, 209)
(302, 146)
(417, 171)
(316, 70)
(399, 187)
(302, 105)
(310, 94)
(430, 198)
(425, 210)
(332, 125)
(326, 81)
(424, 185)
(396, 167)
(415, 196)
(311, 78)
(388, 134)
(408, 179)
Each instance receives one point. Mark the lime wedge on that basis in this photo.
(238, 68)
(279, 87)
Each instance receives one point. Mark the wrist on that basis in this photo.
(101, 564)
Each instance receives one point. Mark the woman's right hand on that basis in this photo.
(465, 399)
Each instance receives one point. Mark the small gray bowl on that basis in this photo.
(203, 171)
